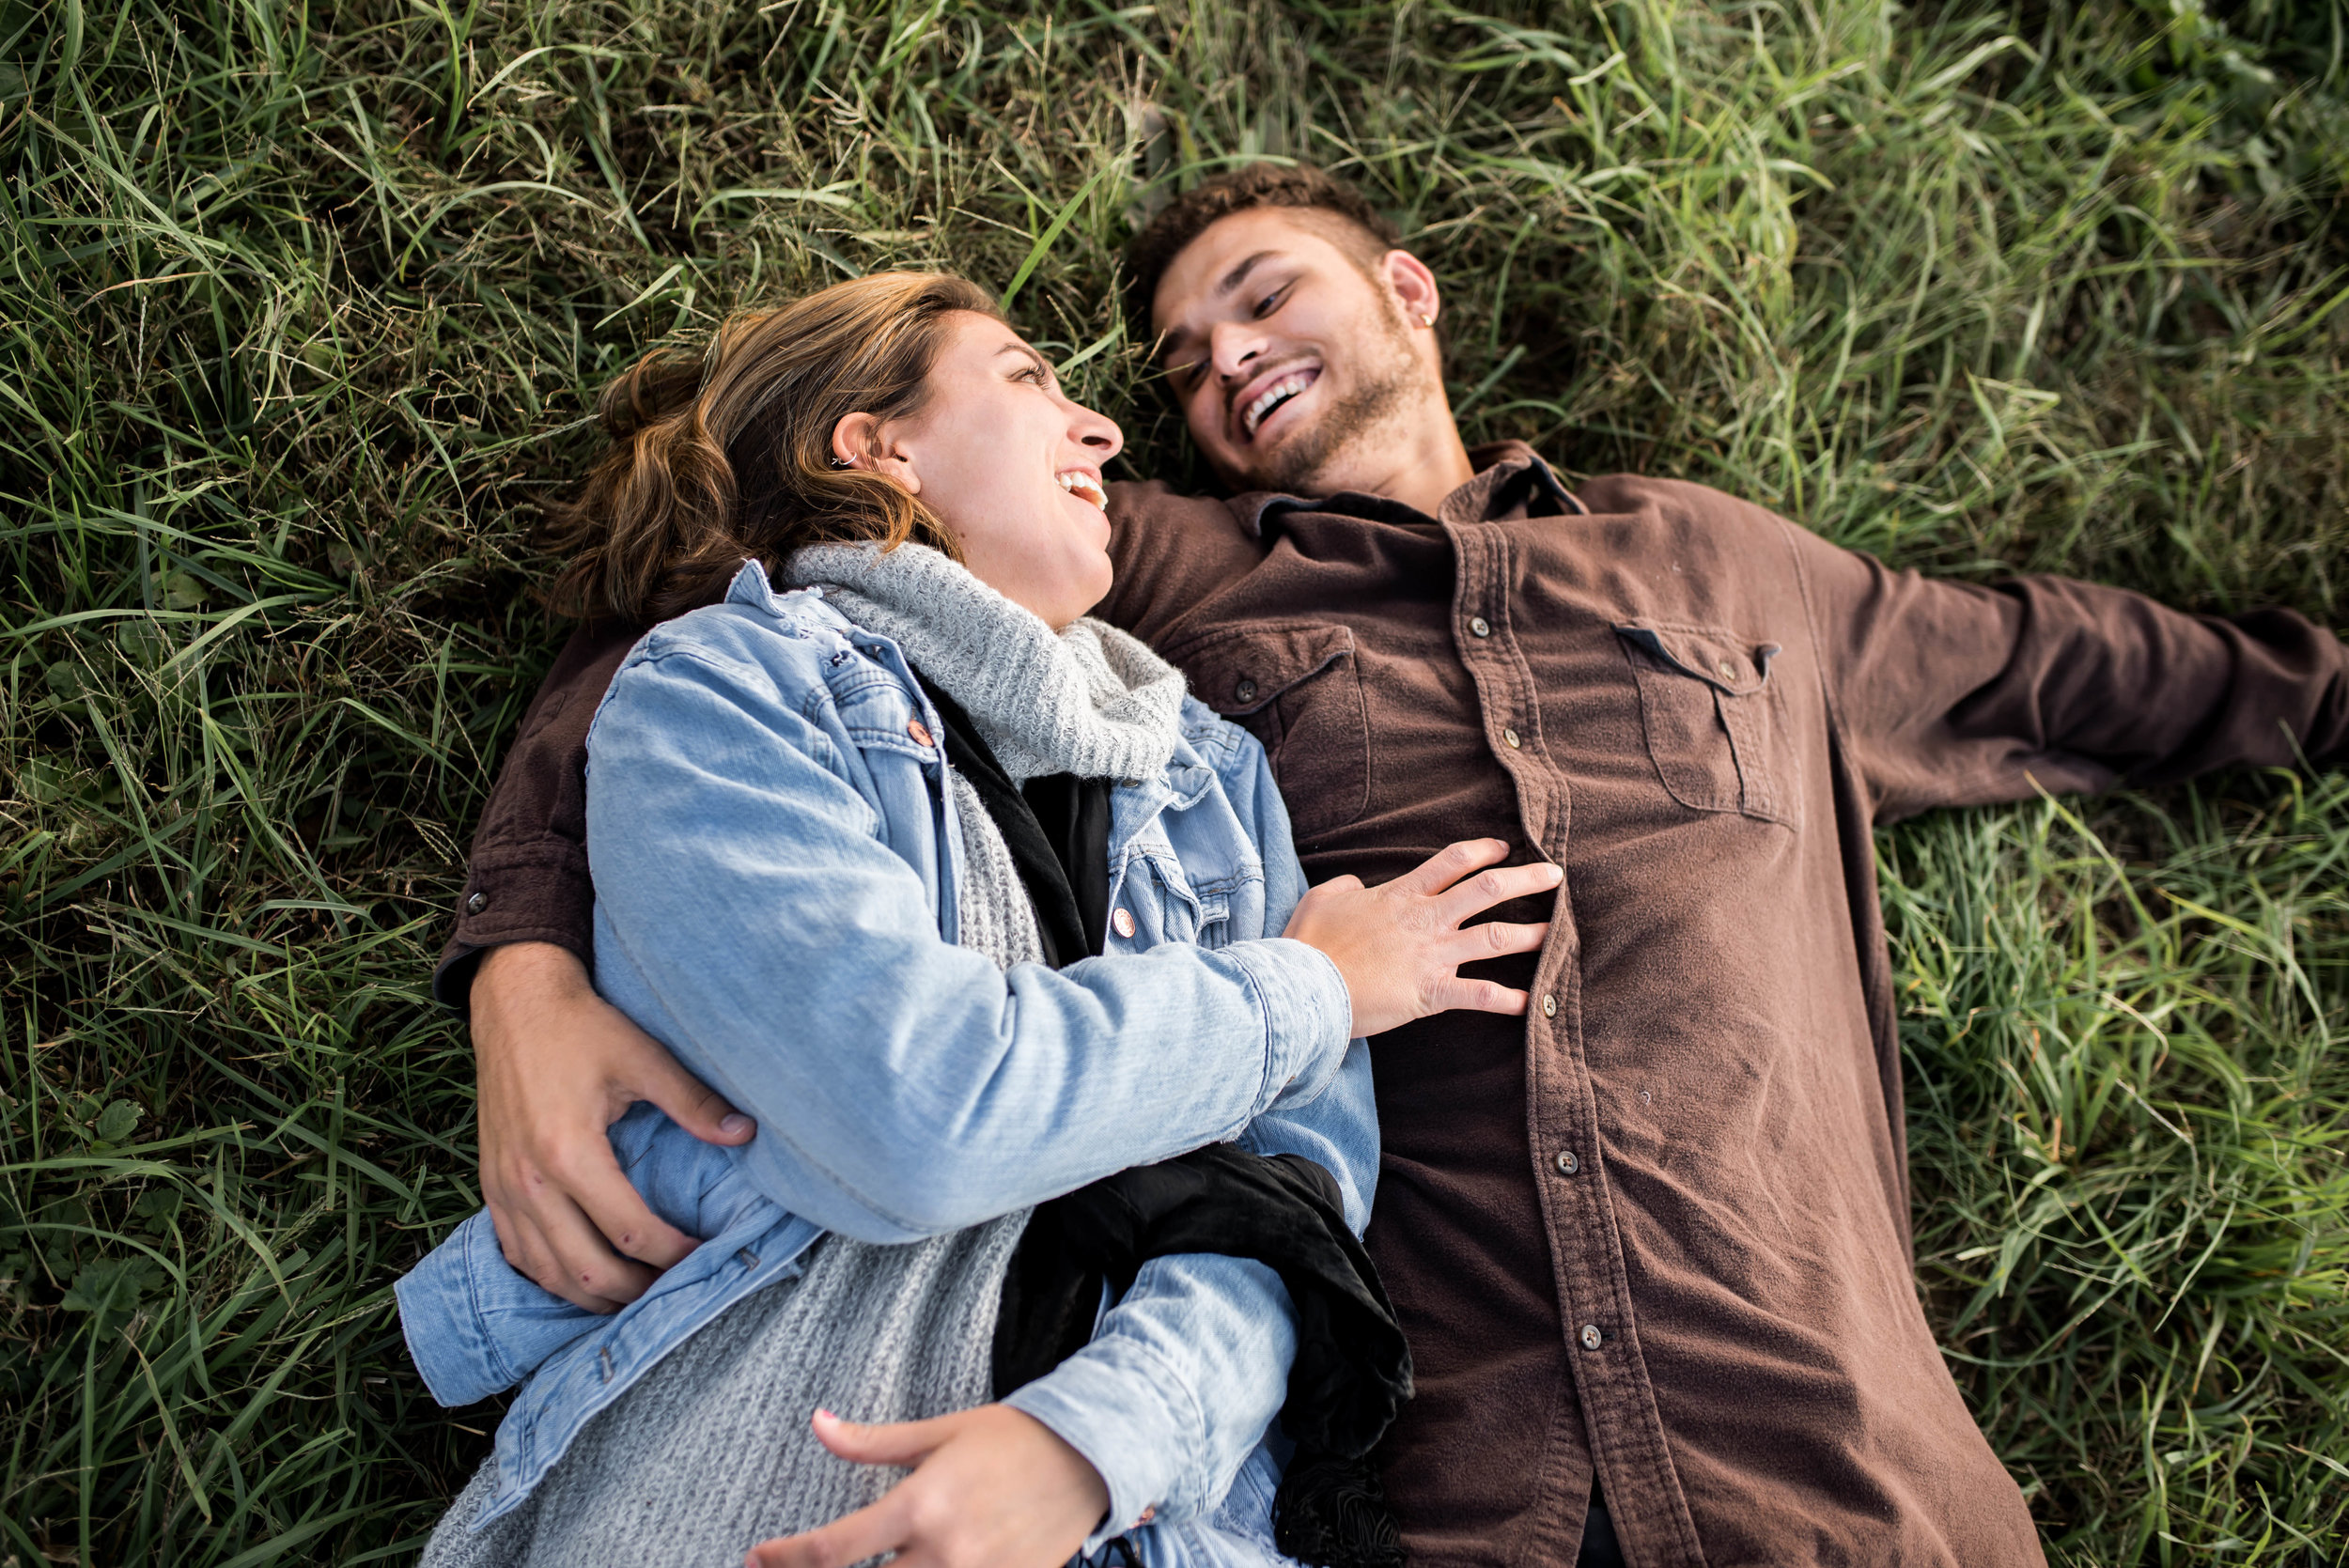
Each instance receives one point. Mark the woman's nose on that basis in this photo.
(1101, 433)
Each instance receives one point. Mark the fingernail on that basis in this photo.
(735, 1124)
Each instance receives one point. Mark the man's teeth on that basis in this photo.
(1272, 396)
(1082, 487)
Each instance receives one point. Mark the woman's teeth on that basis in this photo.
(1272, 396)
(1082, 487)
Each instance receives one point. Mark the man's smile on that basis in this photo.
(1257, 402)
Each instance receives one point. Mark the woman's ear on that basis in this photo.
(861, 440)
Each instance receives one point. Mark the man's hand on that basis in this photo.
(557, 1066)
(1400, 945)
(991, 1488)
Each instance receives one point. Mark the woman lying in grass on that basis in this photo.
(973, 909)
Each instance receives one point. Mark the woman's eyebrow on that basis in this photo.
(1028, 354)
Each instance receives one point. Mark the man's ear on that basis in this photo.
(861, 440)
(1414, 287)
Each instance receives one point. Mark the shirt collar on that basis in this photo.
(1511, 479)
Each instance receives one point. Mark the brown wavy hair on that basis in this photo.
(1347, 220)
(726, 454)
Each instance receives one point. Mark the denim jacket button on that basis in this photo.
(1123, 923)
(921, 732)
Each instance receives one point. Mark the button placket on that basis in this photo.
(1589, 1280)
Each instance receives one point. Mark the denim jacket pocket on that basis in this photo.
(1295, 686)
(1717, 729)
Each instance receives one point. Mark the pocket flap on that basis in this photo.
(1721, 660)
(1240, 671)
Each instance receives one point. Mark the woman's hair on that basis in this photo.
(727, 454)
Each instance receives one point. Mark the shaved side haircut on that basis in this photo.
(1337, 212)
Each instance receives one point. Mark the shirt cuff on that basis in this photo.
(1307, 1017)
(517, 899)
(1126, 1412)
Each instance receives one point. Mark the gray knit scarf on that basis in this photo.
(1089, 700)
(710, 1452)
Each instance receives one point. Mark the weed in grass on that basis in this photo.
(302, 308)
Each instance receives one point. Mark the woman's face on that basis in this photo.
(1009, 465)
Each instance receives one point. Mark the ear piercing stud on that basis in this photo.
(1426, 319)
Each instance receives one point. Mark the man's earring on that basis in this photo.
(1426, 319)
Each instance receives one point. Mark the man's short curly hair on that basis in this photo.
(1351, 221)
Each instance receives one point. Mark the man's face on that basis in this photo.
(1291, 363)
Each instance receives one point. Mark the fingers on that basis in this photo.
(1493, 939)
(525, 1245)
(579, 1265)
(1498, 886)
(897, 1443)
(1477, 996)
(629, 1227)
(868, 1532)
(691, 1103)
(1447, 865)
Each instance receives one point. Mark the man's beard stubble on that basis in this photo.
(1297, 466)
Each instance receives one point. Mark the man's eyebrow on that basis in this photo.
(1238, 274)
(1178, 337)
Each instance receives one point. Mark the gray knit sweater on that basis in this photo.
(710, 1452)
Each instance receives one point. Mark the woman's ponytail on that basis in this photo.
(726, 455)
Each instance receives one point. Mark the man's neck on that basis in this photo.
(1418, 461)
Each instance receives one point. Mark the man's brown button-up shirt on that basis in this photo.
(1655, 1231)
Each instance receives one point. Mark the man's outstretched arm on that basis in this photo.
(556, 1064)
(1953, 693)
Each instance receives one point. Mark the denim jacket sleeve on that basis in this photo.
(1186, 1372)
(903, 1086)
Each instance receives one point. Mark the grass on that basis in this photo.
(301, 309)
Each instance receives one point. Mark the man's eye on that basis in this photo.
(1270, 303)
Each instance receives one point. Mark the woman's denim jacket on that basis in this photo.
(775, 860)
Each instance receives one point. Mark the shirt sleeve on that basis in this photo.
(1188, 1369)
(1955, 693)
(751, 919)
(526, 877)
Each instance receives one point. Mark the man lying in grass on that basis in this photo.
(974, 907)
(1649, 1244)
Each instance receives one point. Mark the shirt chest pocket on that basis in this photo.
(1716, 725)
(1293, 685)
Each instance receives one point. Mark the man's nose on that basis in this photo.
(1233, 345)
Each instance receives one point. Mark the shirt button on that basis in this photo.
(1245, 691)
(1550, 1004)
(921, 732)
(1568, 1164)
(1728, 671)
(1122, 922)
(1592, 1338)
(478, 903)
(1480, 625)
(1513, 738)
